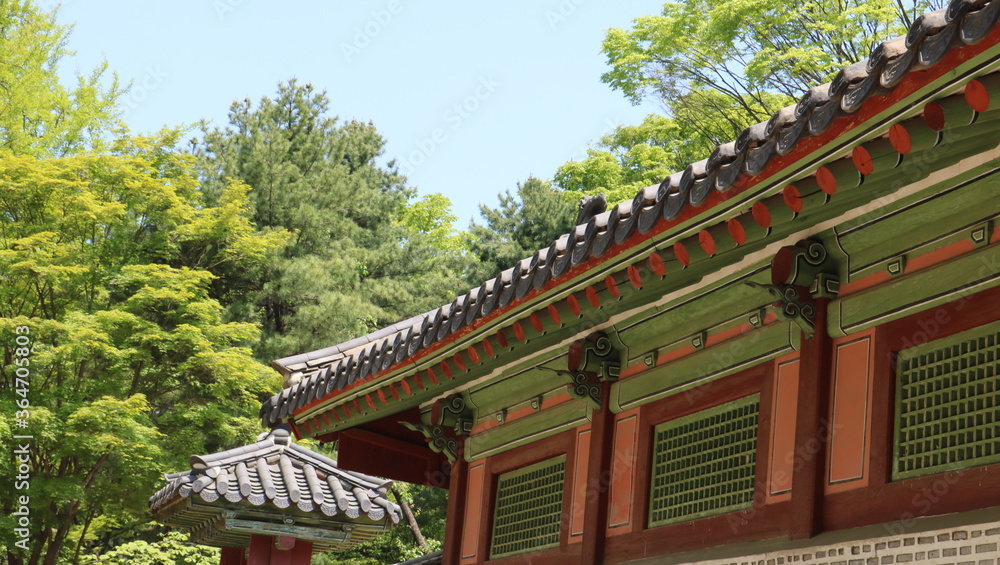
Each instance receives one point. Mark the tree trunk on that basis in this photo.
(83, 536)
(410, 519)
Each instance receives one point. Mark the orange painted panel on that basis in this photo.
(473, 512)
(851, 399)
(784, 408)
(579, 486)
(622, 464)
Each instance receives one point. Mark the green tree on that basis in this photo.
(38, 115)
(632, 157)
(170, 549)
(429, 506)
(520, 226)
(363, 256)
(106, 262)
(718, 66)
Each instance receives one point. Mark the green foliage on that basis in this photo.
(431, 218)
(519, 227)
(171, 549)
(735, 62)
(429, 507)
(631, 158)
(363, 255)
(38, 115)
(717, 67)
(108, 260)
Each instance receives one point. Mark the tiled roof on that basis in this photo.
(311, 376)
(278, 471)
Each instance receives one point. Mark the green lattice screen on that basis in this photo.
(528, 508)
(947, 408)
(703, 464)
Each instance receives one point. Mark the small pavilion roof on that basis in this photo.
(288, 482)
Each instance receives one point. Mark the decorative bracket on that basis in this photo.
(800, 274)
(454, 412)
(594, 354)
(793, 305)
(592, 361)
(806, 264)
(439, 439)
(450, 418)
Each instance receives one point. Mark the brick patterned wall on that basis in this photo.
(970, 545)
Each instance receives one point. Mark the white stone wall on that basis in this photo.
(967, 545)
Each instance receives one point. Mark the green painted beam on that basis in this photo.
(915, 292)
(713, 308)
(715, 362)
(532, 428)
(923, 224)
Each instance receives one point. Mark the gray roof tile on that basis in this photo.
(277, 470)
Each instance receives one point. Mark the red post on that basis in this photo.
(268, 550)
(259, 552)
(452, 550)
(232, 556)
(595, 518)
(812, 429)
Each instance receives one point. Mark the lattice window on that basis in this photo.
(948, 404)
(528, 508)
(703, 464)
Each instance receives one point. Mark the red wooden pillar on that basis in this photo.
(232, 556)
(452, 550)
(812, 429)
(259, 552)
(268, 550)
(595, 520)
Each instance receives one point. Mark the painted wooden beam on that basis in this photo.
(729, 357)
(533, 428)
(924, 289)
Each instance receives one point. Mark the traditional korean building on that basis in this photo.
(788, 352)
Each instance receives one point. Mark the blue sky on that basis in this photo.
(471, 97)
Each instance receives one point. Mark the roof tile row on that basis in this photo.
(279, 471)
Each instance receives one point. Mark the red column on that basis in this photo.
(267, 550)
(812, 430)
(595, 519)
(232, 556)
(452, 550)
(259, 552)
